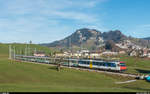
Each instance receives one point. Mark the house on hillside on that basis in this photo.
(109, 53)
(148, 53)
(39, 54)
(95, 54)
(145, 52)
(122, 52)
(59, 54)
(133, 53)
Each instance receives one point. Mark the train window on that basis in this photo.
(83, 62)
(95, 63)
(106, 64)
(109, 64)
(113, 65)
(100, 64)
(88, 62)
(80, 62)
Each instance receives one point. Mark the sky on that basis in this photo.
(45, 21)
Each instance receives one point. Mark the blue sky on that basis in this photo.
(44, 21)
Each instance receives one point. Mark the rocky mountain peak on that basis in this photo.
(92, 38)
(116, 36)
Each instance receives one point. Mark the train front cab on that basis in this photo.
(122, 66)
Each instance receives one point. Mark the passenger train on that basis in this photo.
(100, 64)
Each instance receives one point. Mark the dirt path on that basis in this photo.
(125, 82)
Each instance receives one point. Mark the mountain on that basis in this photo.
(116, 36)
(88, 38)
(82, 37)
(140, 41)
(93, 39)
(148, 38)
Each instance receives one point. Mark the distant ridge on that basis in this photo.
(93, 39)
(148, 38)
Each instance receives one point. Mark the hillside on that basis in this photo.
(87, 38)
(141, 42)
(93, 39)
(148, 38)
(4, 48)
(79, 37)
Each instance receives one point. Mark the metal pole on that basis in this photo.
(14, 53)
(35, 50)
(70, 51)
(9, 51)
(29, 50)
(26, 50)
(20, 52)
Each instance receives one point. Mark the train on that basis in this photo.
(100, 64)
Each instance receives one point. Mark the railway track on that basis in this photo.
(107, 72)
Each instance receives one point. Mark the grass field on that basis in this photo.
(28, 77)
(20, 48)
(137, 65)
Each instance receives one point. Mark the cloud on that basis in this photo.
(42, 17)
(67, 9)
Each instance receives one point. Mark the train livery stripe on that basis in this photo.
(90, 63)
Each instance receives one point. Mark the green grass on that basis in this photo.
(20, 48)
(29, 77)
(136, 65)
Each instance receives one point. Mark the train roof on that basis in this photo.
(74, 59)
(98, 60)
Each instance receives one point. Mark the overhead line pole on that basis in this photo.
(10, 52)
(70, 50)
(14, 53)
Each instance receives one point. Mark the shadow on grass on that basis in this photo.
(143, 71)
(137, 88)
(53, 68)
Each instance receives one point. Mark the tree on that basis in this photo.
(109, 45)
(61, 50)
(50, 54)
(30, 42)
(93, 47)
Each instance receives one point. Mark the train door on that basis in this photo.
(91, 64)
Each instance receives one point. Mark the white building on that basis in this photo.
(109, 53)
(133, 53)
(39, 54)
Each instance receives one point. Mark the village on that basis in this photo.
(128, 48)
